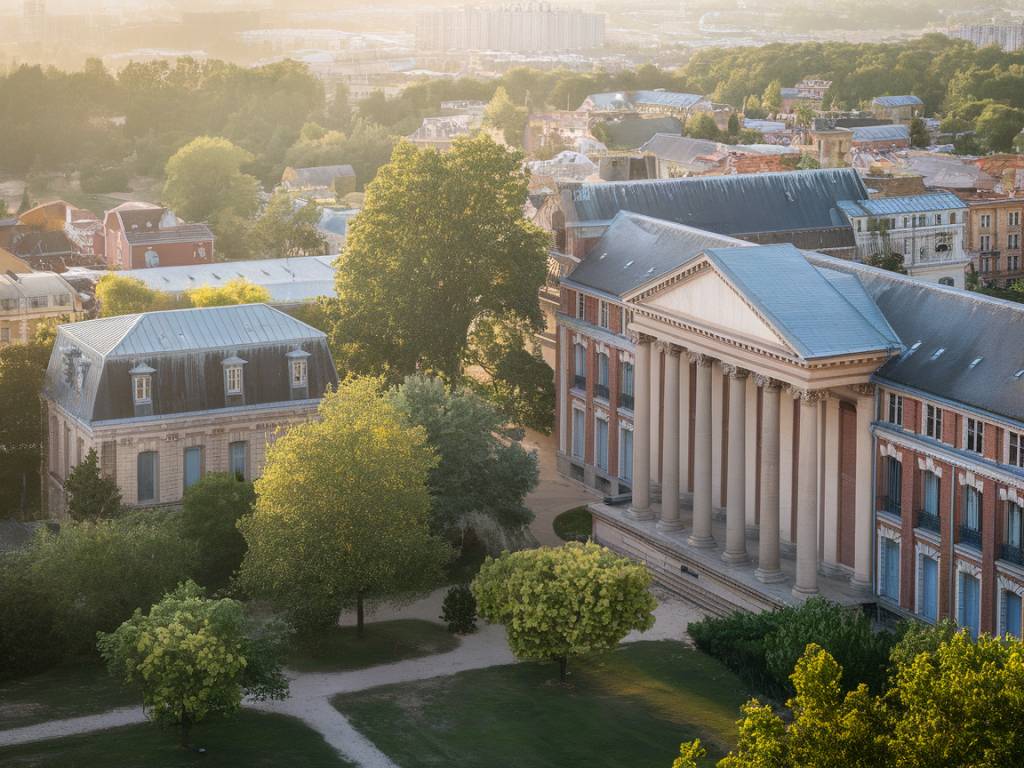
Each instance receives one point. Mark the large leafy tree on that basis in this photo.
(237, 291)
(440, 241)
(562, 602)
(210, 511)
(91, 496)
(482, 476)
(22, 367)
(120, 295)
(503, 115)
(285, 229)
(343, 511)
(194, 658)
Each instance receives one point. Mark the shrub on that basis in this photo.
(94, 179)
(459, 610)
(738, 641)
(210, 513)
(29, 641)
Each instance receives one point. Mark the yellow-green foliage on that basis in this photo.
(559, 602)
(237, 291)
(120, 295)
(342, 509)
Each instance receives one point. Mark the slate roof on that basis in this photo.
(182, 233)
(965, 325)
(938, 201)
(764, 126)
(631, 99)
(681, 149)
(42, 244)
(881, 133)
(818, 314)
(727, 205)
(897, 101)
(636, 250)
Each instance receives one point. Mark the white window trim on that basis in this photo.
(921, 551)
(888, 449)
(228, 389)
(1004, 584)
(977, 423)
(970, 479)
(301, 365)
(601, 415)
(146, 380)
(1006, 447)
(1011, 495)
(577, 407)
(885, 532)
(927, 464)
(965, 566)
(625, 426)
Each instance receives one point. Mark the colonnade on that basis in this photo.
(666, 412)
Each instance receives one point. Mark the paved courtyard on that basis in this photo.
(554, 493)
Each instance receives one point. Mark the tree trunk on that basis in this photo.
(183, 734)
(563, 669)
(359, 615)
(24, 497)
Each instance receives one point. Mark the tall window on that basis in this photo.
(894, 477)
(986, 242)
(929, 581)
(1015, 455)
(601, 443)
(581, 306)
(143, 389)
(975, 435)
(1013, 218)
(1014, 538)
(933, 422)
(970, 527)
(146, 476)
(193, 465)
(952, 217)
(895, 409)
(626, 385)
(986, 220)
(299, 370)
(1010, 611)
(603, 319)
(626, 454)
(579, 432)
(233, 380)
(969, 606)
(931, 501)
(601, 385)
(889, 573)
(1013, 242)
(238, 459)
(580, 379)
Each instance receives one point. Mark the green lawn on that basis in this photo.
(574, 525)
(65, 691)
(250, 740)
(384, 642)
(631, 707)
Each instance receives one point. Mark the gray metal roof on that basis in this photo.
(764, 126)
(965, 325)
(818, 315)
(180, 330)
(631, 99)
(881, 133)
(897, 101)
(728, 205)
(937, 201)
(182, 233)
(636, 250)
(681, 149)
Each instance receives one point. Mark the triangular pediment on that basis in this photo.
(706, 299)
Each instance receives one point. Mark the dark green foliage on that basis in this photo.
(99, 179)
(916, 638)
(459, 610)
(574, 525)
(91, 496)
(29, 641)
(763, 648)
(211, 510)
(21, 376)
(919, 136)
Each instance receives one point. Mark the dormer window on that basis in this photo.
(298, 370)
(233, 376)
(142, 384)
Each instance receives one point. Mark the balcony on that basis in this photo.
(1012, 554)
(601, 391)
(625, 401)
(888, 505)
(970, 536)
(579, 382)
(928, 521)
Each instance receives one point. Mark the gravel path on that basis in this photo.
(73, 726)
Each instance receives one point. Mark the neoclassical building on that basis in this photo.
(768, 423)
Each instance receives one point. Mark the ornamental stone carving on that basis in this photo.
(734, 371)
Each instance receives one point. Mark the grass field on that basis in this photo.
(250, 740)
(574, 525)
(631, 707)
(65, 691)
(384, 642)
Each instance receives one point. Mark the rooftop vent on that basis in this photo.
(974, 362)
(1019, 374)
(937, 353)
(913, 347)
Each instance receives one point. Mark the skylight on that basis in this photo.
(974, 362)
(937, 353)
(1019, 374)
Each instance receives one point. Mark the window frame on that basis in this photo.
(245, 459)
(145, 382)
(154, 478)
(974, 435)
(1015, 448)
(895, 409)
(581, 306)
(604, 314)
(299, 366)
(185, 484)
(933, 421)
(231, 371)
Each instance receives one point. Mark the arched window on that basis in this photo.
(946, 281)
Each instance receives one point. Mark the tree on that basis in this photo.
(194, 658)
(440, 241)
(4, 211)
(120, 295)
(236, 291)
(771, 99)
(702, 126)
(339, 112)
(890, 261)
(804, 115)
(482, 477)
(564, 602)
(91, 496)
(26, 202)
(734, 124)
(501, 114)
(343, 511)
(205, 180)
(210, 513)
(997, 126)
(286, 228)
(919, 136)
(752, 108)
(22, 368)
(518, 381)
(689, 754)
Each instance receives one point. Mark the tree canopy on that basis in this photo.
(285, 228)
(343, 510)
(91, 496)
(120, 295)
(210, 511)
(22, 367)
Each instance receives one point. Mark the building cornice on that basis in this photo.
(953, 404)
(596, 332)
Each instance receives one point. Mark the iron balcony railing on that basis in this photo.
(928, 520)
(1012, 554)
(601, 390)
(888, 505)
(625, 401)
(970, 536)
(579, 382)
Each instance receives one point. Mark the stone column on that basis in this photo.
(830, 490)
(717, 419)
(701, 535)
(807, 496)
(786, 534)
(863, 490)
(768, 569)
(751, 453)
(640, 509)
(736, 494)
(655, 411)
(563, 389)
(684, 423)
(670, 448)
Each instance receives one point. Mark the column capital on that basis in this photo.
(808, 396)
(660, 345)
(734, 371)
(767, 382)
(640, 338)
(698, 358)
(864, 390)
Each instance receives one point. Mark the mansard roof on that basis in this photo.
(736, 205)
(883, 206)
(981, 362)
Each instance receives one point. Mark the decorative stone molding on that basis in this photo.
(864, 390)
(1010, 585)
(626, 425)
(888, 449)
(601, 413)
(1011, 495)
(674, 351)
(927, 464)
(965, 566)
(968, 478)
(626, 356)
(663, 346)
(767, 382)
(698, 359)
(807, 396)
(889, 533)
(734, 371)
(926, 549)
